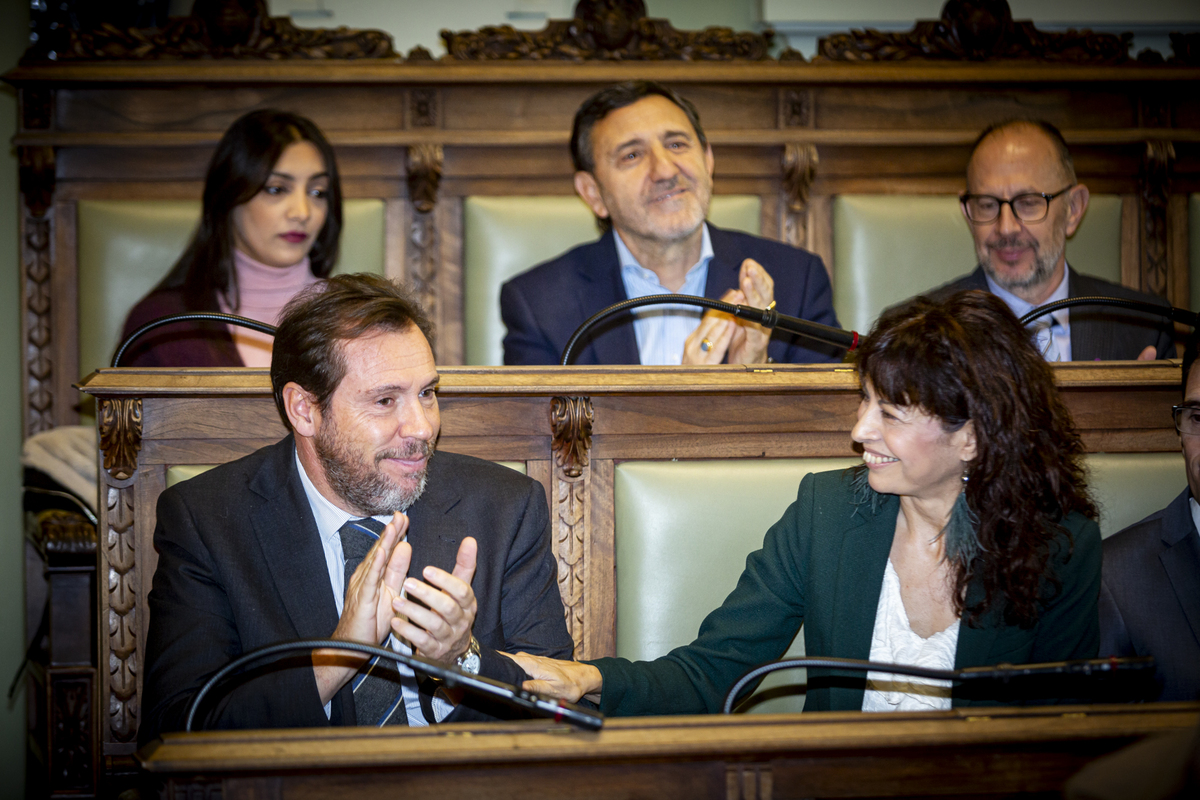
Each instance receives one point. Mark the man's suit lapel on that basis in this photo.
(724, 266)
(283, 522)
(431, 532)
(1181, 559)
(1087, 331)
(600, 285)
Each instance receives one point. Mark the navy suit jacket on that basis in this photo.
(1150, 597)
(542, 307)
(241, 566)
(1098, 333)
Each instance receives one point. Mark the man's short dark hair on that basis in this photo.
(307, 348)
(605, 101)
(1053, 133)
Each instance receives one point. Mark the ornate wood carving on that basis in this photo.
(37, 109)
(121, 436)
(1157, 166)
(1186, 49)
(976, 30)
(424, 175)
(37, 178)
(571, 420)
(795, 108)
(58, 532)
(71, 759)
(423, 111)
(799, 169)
(607, 30)
(215, 29)
(121, 610)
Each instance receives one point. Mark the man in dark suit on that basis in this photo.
(1150, 587)
(645, 168)
(1021, 204)
(350, 528)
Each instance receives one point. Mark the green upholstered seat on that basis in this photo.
(887, 248)
(683, 530)
(504, 236)
(127, 246)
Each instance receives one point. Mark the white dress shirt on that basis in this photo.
(662, 330)
(1054, 341)
(329, 520)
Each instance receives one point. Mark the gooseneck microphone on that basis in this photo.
(191, 316)
(538, 705)
(766, 317)
(1000, 672)
(1170, 312)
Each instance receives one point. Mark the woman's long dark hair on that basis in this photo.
(239, 169)
(968, 358)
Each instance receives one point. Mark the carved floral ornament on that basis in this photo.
(571, 421)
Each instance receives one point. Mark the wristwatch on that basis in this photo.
(468, 662)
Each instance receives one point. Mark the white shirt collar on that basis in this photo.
(627, 260)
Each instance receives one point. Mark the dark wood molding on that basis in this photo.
(424, 162)
(37, 330)
(571, 420)
(72, 762)
(121, 436)
(607, 30)
(119, 617)
(1158, 164)
(1185, 49)
(977, 30)
(241, 29)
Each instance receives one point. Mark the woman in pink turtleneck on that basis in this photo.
(270, 224)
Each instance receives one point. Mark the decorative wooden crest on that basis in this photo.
(571, 421)
(121, 436)
(424, 175)
(606, 30)
(976, 30)
(215, 29)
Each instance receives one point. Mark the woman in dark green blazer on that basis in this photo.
(971, 493)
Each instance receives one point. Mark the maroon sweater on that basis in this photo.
(180, 344)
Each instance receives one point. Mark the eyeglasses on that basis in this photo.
(1187, 419)
(1031, 207)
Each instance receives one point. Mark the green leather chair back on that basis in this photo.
(684, 528)
(504, 236)
(887, 248)
(127, 246)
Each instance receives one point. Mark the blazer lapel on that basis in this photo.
(1181, 559)
(723, 268)
(859, 582)
(612, 341)
(287, 533)
(431, 532)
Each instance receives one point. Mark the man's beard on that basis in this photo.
(363, 486)
(1043, 264)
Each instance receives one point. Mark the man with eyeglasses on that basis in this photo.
(1021, 204)
(1150, 584)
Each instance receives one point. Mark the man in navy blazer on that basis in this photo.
(261, 550)
(1022, 202)
(1150, 585)
(644, 167)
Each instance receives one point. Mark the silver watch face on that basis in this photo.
(469, 662)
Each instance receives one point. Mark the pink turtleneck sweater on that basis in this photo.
(263, 291)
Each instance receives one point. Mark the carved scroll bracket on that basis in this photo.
(424, 175)
(1158, 165)
(37, 181)
(799, 171)
(571, 420)
(121, 436)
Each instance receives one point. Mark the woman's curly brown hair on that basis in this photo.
(968, 358)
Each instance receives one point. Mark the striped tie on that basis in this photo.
(378, 698)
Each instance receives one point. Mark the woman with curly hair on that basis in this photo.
(965, 538)
(269, 227)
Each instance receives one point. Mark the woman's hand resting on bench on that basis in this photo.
(566, 680)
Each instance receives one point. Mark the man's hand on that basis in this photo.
(743, 341)
(1148, 354)
(441, 631)
(367, 612)
(566, 680)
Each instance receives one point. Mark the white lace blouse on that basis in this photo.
(894, 641)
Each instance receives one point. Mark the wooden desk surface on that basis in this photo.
(980, 752)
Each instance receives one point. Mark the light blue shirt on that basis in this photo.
(329, 520)
(1060, 330)
(662, 330)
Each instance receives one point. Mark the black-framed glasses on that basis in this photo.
(1029, 207)
(1187, 419)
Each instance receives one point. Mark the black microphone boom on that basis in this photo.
(767, 317)
(191, 316)
(1170, 312)
(1003, 672)
(558, 710)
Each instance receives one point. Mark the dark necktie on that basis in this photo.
(378, 697)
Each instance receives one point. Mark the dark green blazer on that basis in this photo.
(821, 566)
